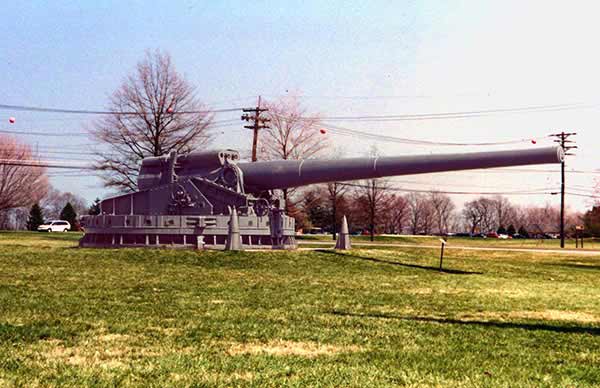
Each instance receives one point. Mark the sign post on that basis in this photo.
(578, 235)
(442, 253)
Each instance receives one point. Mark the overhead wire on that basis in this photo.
(35, 133)
(404, 140)
(40, 163)
(214, 125)
(583, 195)
(519, 192)
(458, 114)
(102, 112)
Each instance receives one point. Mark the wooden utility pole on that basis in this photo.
(259, 123)
(563, 140)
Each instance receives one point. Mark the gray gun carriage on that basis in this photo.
(186, 201)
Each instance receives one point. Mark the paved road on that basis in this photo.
(450, 246)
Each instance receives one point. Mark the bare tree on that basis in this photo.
(371, 197)
(428, 217)
(55, 201)
(156, 112)
(480, 214)
(336, 192)
(20, 186)
(543, 219)
(14, 219)
(398, 211)
(421, 213)
(292, 134)
(505, 212)
(442, 208)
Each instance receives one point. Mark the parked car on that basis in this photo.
(55, 226)
(504, 236)
(482, 235)
(492, 235)
(313, 231)
(517, 235)
(461, 234)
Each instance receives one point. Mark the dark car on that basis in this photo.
(462, 235)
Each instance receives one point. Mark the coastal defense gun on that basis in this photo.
(187, 200)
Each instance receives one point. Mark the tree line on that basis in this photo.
(373, 207)
(55, 205)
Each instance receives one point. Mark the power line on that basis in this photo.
(377, 97)
(523, 170)
(35, 133)
(41, 163)
(101, 112)
(450, 185)
(519, 192)
(584, 195)
(66, 158)
(215, 125)
(458, 114)
(402, 140)
(50, 150)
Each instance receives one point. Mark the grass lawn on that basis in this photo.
(367, 317)
(589, 243)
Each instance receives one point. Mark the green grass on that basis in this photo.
(589, 243)
(367, 317)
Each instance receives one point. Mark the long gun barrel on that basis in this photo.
(188, 199)
(282, 174)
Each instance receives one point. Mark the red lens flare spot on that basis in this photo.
(12, 120)
(533, 141)
(169, 110)
(323, 131)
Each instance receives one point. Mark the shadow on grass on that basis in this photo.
(41, 330)
(454, 321)
(576, 266)
(60, 236)
(373, 259)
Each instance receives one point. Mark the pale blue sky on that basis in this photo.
(432, 56)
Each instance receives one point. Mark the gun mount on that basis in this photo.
(186, 200)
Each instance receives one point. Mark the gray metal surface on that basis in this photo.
(234, 242)
(343, 238)
(187, 200)
(292, 173)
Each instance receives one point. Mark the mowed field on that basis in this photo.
(366, 317)
(589, 243)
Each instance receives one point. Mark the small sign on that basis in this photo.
(443, 241)
(579, 227)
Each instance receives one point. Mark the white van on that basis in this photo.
(55, 226)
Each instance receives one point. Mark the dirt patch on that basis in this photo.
(245, 376)
(419, 291)
(80, 356)
(515, 293)
(166, 331)
(104, 350)
(545, 315)
(290, 348)
(113, 337)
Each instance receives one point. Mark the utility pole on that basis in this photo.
(563, 140)
(259, 123)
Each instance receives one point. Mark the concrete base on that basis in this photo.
(190, 232)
